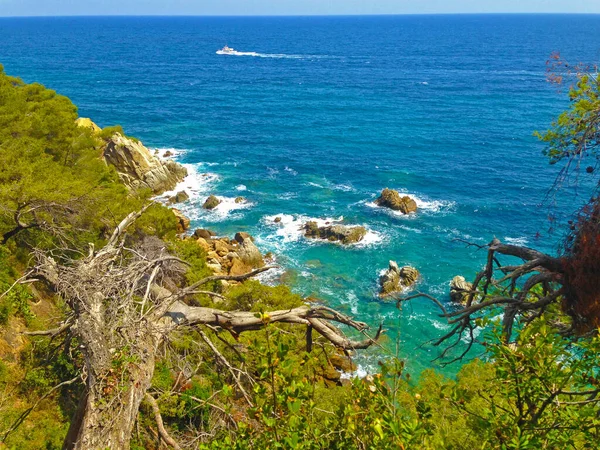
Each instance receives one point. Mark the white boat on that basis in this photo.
(226, 51)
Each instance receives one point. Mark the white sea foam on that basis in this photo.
(196, 184)
(224, 209)
(289, 229)
(516, 241)
(241, 187)
(169, 152)
(326, 184)
(290, 170)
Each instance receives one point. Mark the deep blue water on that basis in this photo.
(323, 115)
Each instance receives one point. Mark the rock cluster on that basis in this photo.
(226, 256)
(211, 202)
(459, 289)
(390, 198)
(394, 279)
(138, 168)
(335, 233)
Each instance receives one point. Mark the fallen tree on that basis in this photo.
(123, 306)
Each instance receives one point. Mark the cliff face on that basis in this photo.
(138, 168)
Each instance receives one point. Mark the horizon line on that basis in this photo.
(306, 15)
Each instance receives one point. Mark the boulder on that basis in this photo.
(84, 122)
(138, 168)
(167, 154)
(180, 197)
(277, 219)
(240, 200)
(250, 254)
(211, 202)
(340, 233)
(342, 362)
(203, 243)
(203, 233)
(238, 267)
(239, 237)
(394, 279)
(183, 223)
(221, 247)
(459, 289)
(390, 198)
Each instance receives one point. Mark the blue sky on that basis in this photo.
(288, 7)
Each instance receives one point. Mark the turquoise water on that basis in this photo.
(319, 116)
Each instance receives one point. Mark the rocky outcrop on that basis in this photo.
(138, 168)
(202, 233)
(459, 289)
(183, 223)
(211, 202)
(229, 256)
(240, 200)
(180, 197)
(395, 279)
(84, 122)
(335, 233)
(390, 198)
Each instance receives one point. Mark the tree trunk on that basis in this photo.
(119, 375)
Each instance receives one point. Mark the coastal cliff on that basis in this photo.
(138, 168)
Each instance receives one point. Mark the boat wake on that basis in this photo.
(266, 55)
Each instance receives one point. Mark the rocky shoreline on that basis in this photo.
(139, 168)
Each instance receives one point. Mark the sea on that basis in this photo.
(311, 117)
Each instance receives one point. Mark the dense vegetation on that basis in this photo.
(263, 389)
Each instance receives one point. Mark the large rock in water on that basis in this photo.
(390, 198)
(211, 202)
(459, 289)
(138, 168)
(341, 233)
(394, 279)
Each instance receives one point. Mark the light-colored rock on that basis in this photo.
(183, 223)
(394, 279)
(211, 202)
(85, 122)
(138, 168)
(203, 243)
(342, 233)
(459, 289)
(250, 254)
(390, 198)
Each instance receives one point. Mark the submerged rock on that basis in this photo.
(459, 289)
(138, 168)
(390, 198)
(335, 233)
(211, 202)
(394, 279)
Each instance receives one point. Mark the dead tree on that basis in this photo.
(527, 290)
(123, 309)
